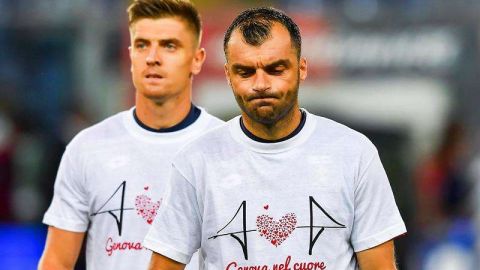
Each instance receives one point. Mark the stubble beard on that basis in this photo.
(270, 117)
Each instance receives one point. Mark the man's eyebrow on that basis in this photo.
(281, 62)
(162, 41)
(240, 66)
(137, 40)
(171, 40)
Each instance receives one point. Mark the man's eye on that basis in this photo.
(245, 73)
(276, 71)
(140, 45)
(170, 46)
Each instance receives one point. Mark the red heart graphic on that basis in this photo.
(276, 231)
(146, 188)
(146, 208)
(265, 207)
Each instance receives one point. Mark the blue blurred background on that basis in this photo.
(404, 72)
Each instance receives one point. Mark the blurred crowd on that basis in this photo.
(64, 65)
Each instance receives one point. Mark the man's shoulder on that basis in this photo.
(216, 136)
(106, 129)
(333, 131)
(212, 120)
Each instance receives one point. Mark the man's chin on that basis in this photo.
(155, 95)
(266, 117)
(155, 90)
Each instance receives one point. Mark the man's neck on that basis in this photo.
(276, 131)
(162, 115)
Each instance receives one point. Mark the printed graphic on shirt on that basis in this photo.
(278, 231)
(117, 208)
(286, 264)
(146, 208)
(112, 246)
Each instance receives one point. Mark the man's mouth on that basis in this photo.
(153, 76)
(261, 98)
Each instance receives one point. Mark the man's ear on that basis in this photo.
(198, 60)
(227, 73)
(303, 68)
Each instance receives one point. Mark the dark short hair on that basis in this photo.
(156, 9)
(255, 24)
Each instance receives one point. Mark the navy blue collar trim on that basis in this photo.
(291, 135)
(192, 116)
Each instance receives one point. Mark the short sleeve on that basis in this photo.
(69, 207)
(176, 231)
(377, 218)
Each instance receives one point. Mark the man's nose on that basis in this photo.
(261, 82)
(153, 57)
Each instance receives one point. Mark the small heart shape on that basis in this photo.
(276, 231)
(146, 187)
(146, 208)
(265, 207)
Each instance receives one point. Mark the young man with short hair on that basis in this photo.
(277, 187)
(113, 174)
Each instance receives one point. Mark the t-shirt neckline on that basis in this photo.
(273, 147)
(143, 134)
(292, 134)
(191, 117)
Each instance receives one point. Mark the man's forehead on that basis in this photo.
(160, 26)
(260, 61)
(277, 46)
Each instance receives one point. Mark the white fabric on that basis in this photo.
(111, 166)
(327, 176)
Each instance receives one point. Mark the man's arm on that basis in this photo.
(61, 249)
(160, 262)
(381, 257)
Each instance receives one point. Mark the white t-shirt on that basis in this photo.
(308, 202)
(110, 183)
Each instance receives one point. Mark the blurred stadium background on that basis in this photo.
(404, 72)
